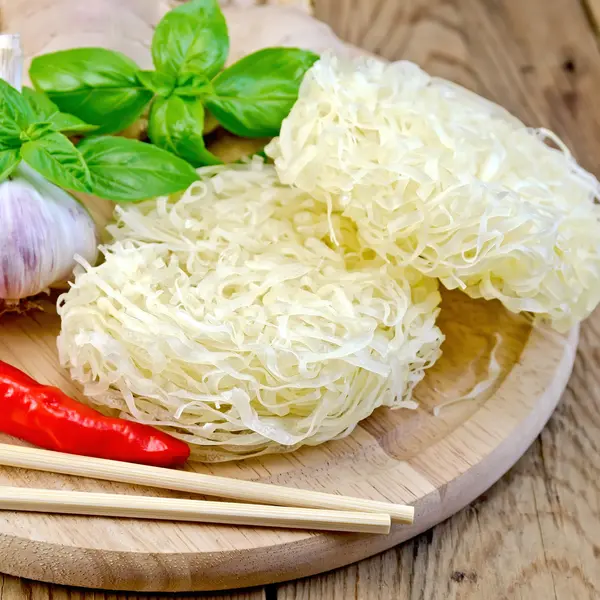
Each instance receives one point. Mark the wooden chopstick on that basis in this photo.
(195, 483)
(228, 513)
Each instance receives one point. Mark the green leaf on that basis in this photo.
(176, 124)
(193, 85)
(46, 110)
(40, 104)
(191, 38)
(37, 131)
(14, 107)
(9, 159)
(71, 124)
(10, 133)
(162, 84)
(126, 170)
(98, 86)
(59, 161)
(253, 96)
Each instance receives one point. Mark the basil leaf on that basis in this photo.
(10, 133)
(59, 161)
(46, 110)
(253, 96)
(40, 104)
(176, 124)
(192, 84)
(99, 86)
(14, 107)
(126, 170)
(9, 159)
(192, 37)
(161, 84)
(70, 124)
(37, 131)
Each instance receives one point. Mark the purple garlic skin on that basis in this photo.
(42, 228)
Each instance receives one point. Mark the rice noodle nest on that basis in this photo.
(226, 317)
(439, 178)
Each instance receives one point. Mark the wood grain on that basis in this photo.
(593, 9)
(536, 534)
(436, 463)
(12, 588)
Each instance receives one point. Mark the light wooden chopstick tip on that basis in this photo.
(402, 514)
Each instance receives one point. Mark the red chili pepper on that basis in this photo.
(47, 417)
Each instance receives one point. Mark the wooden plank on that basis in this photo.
(411, 457)
(536, 534)
(12, 588)
(593, 10)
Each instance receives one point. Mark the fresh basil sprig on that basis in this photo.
(45, 110)
(176, 124)
(15, 113)
(99, 86)
(191, 38)
(58, 160)
(121, 168)
(189, 50)
(9, 159)
(252, 97)
(114, 168)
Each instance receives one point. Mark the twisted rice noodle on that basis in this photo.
(226, 318)
(439, 178)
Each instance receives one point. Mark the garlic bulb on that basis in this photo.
(42, 228)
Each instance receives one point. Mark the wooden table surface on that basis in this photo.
(536, 533)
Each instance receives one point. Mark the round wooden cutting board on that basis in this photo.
(438, 463)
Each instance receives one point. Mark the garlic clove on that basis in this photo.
(42, 228)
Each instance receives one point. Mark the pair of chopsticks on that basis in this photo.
(274, 506)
